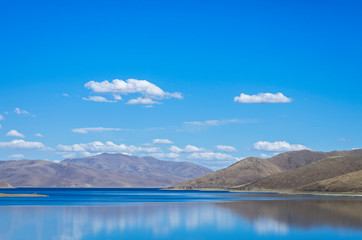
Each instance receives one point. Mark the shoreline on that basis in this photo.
(287, 192)
(340, 194)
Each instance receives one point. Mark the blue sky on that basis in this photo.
(195, 58)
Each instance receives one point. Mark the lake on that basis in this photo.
(158, 214)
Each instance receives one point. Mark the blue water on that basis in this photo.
(157, 214)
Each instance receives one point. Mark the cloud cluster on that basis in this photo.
(262, 98)
(199, 155)
(149, 92)
(187, 149)
(95, 129)
(21, 144)
(191, 153)
(14, 133)
(2, 117)
(87, 149)
(280, 146)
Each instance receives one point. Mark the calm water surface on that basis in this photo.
(156, 214)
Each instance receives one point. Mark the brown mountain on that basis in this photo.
(253, 169)
(326, 168)
(105, 170)
(350, 182)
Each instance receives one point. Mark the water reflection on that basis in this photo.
(188, 220)
(301, 213)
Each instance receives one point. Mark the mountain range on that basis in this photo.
(305, 170)
(337, 171)
(104, 170)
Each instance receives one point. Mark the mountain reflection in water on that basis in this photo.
(300, 213)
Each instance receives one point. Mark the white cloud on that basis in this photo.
(263, 155)
(2, 117)
(211, 156)
(21, 144)
(98, 99)
(16, 156)
(117, 97)
(262, 98)
(65, 95)
(38, 135)
(191, 148)
(225, 148)
(22, 112)
(280, 146)
(107, 147)
(14, 133)
(187, 149)
(166, 155)
(142, 100)
(94, 129)
(147, 90)
(215, 122)
(129, 86)
(175, 149)
(161, 141)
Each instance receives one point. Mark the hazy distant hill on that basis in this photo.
(142, 166)
(105, 170)
(253, 169)
(326, 168)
